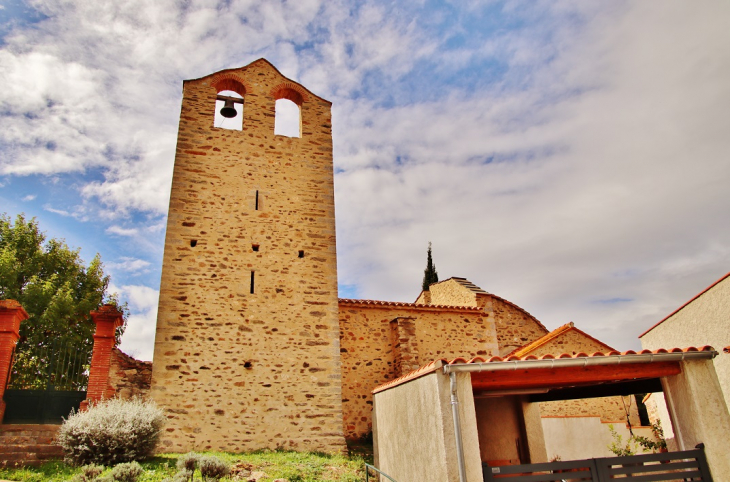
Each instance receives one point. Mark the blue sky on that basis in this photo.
(570, 156)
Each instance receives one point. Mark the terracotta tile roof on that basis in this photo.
(530, 347)
(440, 363)
(424, 370)
(684, 305)
(399, 304)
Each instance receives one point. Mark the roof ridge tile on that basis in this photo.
(406, 305)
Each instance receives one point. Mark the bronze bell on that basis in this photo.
(228, 110)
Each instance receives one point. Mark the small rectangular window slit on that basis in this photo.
(255, 247)
(301, 253)
(193, 243)
(257, 200)
(252, 280)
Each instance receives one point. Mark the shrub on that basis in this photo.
(89, 473)
(618, 447)
(111, 432)
(658, 444)
(182, 476)
(188, 462)
(212, 468)
(126, 472)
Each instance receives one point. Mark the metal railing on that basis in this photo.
(686, 465)
(369, 467)
(55, 366)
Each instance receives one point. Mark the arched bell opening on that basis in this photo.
(288, 113)
(288, 120)
(228, 110)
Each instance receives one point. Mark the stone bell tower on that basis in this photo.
(247, 349)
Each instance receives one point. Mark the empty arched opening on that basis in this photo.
(288, 121)
(233, 100)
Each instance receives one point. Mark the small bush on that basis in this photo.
(618, 447)
(188, 462)
(182, 476)
(111, 432)
(212, 468)
(659, 443)
(89, 473)
(127, 472)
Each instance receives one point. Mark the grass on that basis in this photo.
(293, 466)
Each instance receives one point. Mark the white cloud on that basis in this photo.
(141, 298)
(129, 264)
(120, 231)
(624, 173)
(29, 197)
(569, 153)
(138, 339)
(56, 211)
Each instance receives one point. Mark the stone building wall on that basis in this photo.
(129, 378)
(571, 341)
(610, 409)
(515, 326)
(381, 341)
(247, 351)
(452, 292)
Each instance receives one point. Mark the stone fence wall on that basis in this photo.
(128, 377)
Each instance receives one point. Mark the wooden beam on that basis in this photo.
(632, 387)
(236, 100)
(570, 376)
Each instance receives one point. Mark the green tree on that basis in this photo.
(430, 275)
(53, 285)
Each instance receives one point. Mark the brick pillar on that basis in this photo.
(11, 314)
(107, 319)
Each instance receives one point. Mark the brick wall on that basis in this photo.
(381, 341)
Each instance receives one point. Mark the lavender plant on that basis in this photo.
(111, 432)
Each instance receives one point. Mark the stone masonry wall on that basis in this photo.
(130, 378)
(404, 344)
(610, 409)
(451, 293)
(515, 327)
(373, 334)
(247, 351)
(571, 342)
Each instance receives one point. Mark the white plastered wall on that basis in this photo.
(704, 321)
(577, 438)
(413, 430)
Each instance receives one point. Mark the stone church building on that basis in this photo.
(253, 348)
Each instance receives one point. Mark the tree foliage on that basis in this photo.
(430, 275)
(52, 283)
